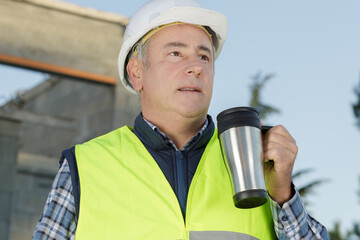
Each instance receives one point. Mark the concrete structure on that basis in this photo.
(9, 142)
(55, 115)
(70, 40)
(80, 100)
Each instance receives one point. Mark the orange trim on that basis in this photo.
(51, 68)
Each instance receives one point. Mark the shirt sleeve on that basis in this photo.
(291, 221)
(58, 220)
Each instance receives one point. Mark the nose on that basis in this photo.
(194, 68)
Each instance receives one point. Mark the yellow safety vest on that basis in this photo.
(125, 195)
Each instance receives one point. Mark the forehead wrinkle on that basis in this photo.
(184, 45)
(176, 44)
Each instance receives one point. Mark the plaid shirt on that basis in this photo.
(58, 220)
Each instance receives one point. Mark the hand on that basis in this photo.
(279, 152)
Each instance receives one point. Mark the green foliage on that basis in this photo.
(335, 233)
(264, 110)
(308, 188)
(356, 105)
(256, 88)
(354, 233)
(358, 192)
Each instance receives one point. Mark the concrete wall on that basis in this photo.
(71, 36)
(9, 142)
(87, 107)
(49, 33)
(57, 114)
(31, 186)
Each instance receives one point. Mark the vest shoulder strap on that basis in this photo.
(69, 154)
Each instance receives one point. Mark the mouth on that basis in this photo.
(189, 89)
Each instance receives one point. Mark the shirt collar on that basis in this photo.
(171, 143)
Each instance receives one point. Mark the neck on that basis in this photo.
(180, 130)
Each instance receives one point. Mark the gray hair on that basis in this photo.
(139, 51)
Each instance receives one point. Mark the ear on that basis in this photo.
(135, 71)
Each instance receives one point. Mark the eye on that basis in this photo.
(175, 54)
(204, 58)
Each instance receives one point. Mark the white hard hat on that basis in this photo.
(156, 13)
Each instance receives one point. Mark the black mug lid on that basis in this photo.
(237, 117)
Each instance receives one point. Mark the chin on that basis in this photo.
(194, 112)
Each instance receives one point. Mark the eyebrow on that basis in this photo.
(183, 45)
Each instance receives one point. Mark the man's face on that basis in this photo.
(179, 72)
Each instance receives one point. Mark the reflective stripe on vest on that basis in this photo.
(216, 235)
(125, 195)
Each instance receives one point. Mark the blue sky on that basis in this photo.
(313, 47)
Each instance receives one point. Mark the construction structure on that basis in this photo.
(81, 99)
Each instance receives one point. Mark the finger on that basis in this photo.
(282, 140)
(279, 153)
(282, 131)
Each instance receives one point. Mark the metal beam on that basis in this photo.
(55, 69)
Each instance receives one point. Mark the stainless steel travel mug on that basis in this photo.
(239, 132)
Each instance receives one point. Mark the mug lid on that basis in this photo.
(237, 117)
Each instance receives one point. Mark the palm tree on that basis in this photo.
(358, 192)
(308, 188)
(354, 233)
(265, 110)
(356, 106)
(356, 110)
(256, 87)
(335, 233)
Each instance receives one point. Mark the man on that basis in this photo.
(165, 178)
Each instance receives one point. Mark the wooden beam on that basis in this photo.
(55, 69)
